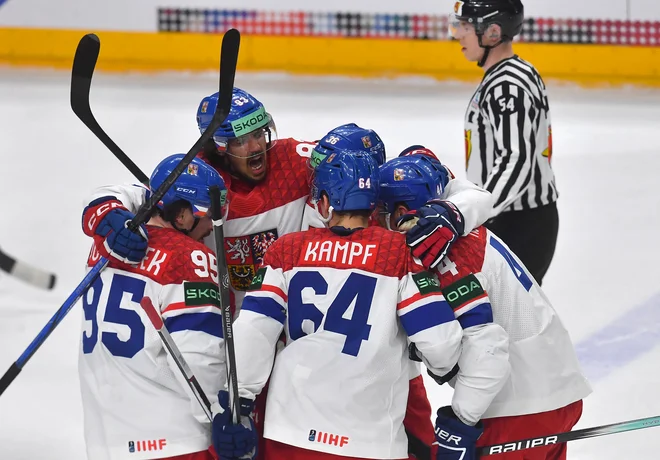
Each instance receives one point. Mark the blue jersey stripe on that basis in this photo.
(265, 306)
(210, 323)
(426, 317)
(481, 314)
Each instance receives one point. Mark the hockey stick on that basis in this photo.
(28, 273)
(558, 438)
(228, 61)
(223, 285)
(81, 82)
(148, 307)
(57, 318)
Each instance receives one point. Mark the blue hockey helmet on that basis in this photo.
(421, 150)
(247, 119)
(192, 185)
(349, 137)
(349, 178)
(413, 180)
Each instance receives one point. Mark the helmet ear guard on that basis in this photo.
(482, 14)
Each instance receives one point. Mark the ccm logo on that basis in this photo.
(100, 211)
(188, 191)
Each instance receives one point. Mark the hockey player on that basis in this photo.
(346, 296)
(441, 183)
(266, 179)
(518, 375)
(136, 403)
(472, 200)
(508, 135)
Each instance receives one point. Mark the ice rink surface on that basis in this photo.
(604, 281)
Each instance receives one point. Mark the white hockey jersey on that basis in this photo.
(517, 357)
(349, 304)
(136, 403)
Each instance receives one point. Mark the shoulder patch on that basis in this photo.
(205, 293)
(463, 291)
(258, 279)
(426, 282)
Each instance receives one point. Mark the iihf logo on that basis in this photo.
(147, 445)
(327, 438)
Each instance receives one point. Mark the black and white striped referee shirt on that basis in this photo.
(508, 137)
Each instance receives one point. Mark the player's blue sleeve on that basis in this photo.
(429, 322)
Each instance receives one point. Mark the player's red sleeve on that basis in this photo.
(417, 421)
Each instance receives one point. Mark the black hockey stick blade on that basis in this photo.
(27, 273)
(9, 377)
(225, 304)
(84, 64)
(559, 438)
(228, 61)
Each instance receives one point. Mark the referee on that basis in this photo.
(508, 137)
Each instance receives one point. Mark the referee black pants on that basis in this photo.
(531, 235)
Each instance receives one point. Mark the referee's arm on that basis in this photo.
(513, 116)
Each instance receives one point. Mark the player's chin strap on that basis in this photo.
(487, 49)
(183, 230)
(401, 228)
(388, 216)
(325, 220)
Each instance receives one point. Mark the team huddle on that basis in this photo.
(348, 272)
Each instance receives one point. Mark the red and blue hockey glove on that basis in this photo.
(455, 439)
(431, 230)
(234, 441)
(106, 220)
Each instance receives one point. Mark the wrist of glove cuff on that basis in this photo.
(455, 440)
(95, 213)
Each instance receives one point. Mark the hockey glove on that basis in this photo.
(106, 219)
(431, 230)
(234, 441)
(455, 439)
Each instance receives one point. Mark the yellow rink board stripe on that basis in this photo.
(149, 52)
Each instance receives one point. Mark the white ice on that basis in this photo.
(606, 158)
